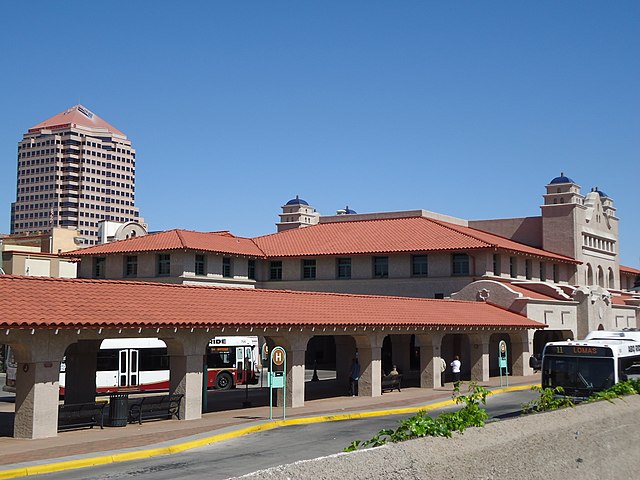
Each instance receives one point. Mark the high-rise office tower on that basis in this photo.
(74, 170)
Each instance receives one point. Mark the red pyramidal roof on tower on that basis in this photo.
(78, 115)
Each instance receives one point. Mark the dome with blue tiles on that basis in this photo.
(296, 201)
(601, 193)
(561, 179)
(348, 211)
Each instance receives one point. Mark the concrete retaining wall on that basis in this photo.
(591, 441)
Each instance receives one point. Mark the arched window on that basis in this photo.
(612, 283)
(589, 275)
(600, 278)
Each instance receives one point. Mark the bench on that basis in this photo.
(391, 382)
(155, 407)
(77, 415)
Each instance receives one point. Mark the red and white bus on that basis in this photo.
(142, 364)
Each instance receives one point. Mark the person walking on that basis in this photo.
(443, 367)
(354, 376)
(455, 369)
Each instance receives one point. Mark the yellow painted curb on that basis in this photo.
(181, 447)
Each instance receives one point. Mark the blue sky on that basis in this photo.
(463, 108)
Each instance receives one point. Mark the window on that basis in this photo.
(130, 266)
(275, 270)
(163, 264)
(556, 273)
(419, 266)
(543, 272)
(496, 265)
(527, 269)
(251, 269)
(513, 267)
(380, 267)
(98, 267)
(308, 269)
(200, 265)
(460, 264)
(344, 268)
(226, 266)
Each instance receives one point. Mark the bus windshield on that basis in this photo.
(578, 375)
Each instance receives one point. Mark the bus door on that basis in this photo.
(128, 368)
(240, 364)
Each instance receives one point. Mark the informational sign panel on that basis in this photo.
(502, 361)
(277, 378)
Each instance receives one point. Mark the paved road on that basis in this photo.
(265, 449)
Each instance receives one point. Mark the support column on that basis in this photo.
(521, 351)
(295, 379)
(186, 378)
(80, 372)
(186, 352)
(479, 357)
(370, 358)
(401, 352)
(37, 394)
(430, 352)
(296, 348)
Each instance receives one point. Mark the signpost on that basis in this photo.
(277, 378)
(502, 361)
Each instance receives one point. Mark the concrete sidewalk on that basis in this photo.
(88, 443)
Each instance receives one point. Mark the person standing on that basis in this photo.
(354, 376)
(443, 367)
(455, 369)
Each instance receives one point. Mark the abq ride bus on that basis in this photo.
(142, 364)
(582, 367)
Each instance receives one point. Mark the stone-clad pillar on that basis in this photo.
(186, 351)
(38, 355)
(37, 396)
(521, 351)
(479, 357)
(370, 358)
(430, 352)
(295, 346)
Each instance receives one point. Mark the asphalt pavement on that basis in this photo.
(226, 419)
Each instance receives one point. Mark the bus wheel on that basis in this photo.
(223, 381)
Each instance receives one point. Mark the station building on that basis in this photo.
(394, 288)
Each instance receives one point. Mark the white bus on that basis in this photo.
(582, 367)
(142, 364)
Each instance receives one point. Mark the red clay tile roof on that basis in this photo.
(71, 303)
(413, 234)
(75, 116)
(527, 293)
(629, 270)
(222, 242)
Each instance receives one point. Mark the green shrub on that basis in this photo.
(422, 425)
(550, 399)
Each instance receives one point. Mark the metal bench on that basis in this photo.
(391, 382)
(155, 407)
(78, 415)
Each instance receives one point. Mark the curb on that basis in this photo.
(183, 446)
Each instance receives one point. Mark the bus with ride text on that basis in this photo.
(142, 364)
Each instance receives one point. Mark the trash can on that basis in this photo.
(118, 409)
